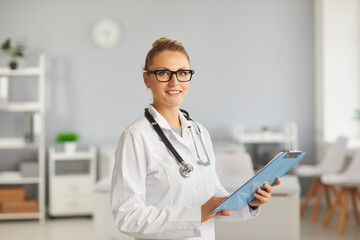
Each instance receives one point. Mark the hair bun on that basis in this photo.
(163, 44)
(160, 41)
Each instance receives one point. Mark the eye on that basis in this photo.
(163, 73)
(183, 73)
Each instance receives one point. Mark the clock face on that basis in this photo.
(106, 33)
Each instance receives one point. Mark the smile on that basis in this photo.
(173, 92)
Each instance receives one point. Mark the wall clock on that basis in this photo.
(106, 33)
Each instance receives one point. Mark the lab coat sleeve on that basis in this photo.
(128, 192)
(243, 214)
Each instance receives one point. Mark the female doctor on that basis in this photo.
(158, 193)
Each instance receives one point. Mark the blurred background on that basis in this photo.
(269, 76)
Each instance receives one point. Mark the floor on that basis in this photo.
(83, 229)
(315, 231)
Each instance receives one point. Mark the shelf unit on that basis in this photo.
(19, 144)
(289, 136)
(250, 141)
(71, 192)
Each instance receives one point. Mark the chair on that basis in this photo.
(233, 167)
(234, 163)
(332, 163)
(348, 181)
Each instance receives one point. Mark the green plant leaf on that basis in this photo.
(18, 51)
(67, 137)
(6, 46)
(13, 52)
(265, 128)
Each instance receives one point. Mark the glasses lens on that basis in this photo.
(163, 76)
(184, 75)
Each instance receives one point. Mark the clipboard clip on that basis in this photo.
(293, 154)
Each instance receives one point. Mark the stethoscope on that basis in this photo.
(185, 168)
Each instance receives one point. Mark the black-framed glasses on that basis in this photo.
(182, 75)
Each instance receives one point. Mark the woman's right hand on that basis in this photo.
(207, 207)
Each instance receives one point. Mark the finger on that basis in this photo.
(225, 213)
(268, 188)
(277, 182)
(266, 194)
(255, 203)
(261, 198)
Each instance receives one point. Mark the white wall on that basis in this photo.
(253, 62)
(341, 37)
(337, 70)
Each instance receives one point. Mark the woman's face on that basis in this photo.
(167, 94)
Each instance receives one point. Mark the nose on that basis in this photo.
(173, 79)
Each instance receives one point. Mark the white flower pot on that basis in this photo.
(70, 147)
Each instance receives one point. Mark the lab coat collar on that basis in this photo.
(184, 140)
(184, 122)
(162, 121)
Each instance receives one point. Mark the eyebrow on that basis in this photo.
(164, 68)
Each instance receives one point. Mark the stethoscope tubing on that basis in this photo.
(185, 168)
(201, 162)
(163, 137)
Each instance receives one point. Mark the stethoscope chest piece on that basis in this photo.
(185, 170)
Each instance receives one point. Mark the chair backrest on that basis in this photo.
(335, 156)
(237, 132)
(354, 167)
(233, 164)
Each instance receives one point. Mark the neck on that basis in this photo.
(171, 115)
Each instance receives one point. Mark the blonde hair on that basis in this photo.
(163, 44)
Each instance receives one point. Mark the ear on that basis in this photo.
(146, 79)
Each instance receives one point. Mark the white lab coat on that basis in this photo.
(150, 199)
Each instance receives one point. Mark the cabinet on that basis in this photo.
(17, 140)
(71, 182)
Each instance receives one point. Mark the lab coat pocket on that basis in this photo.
(157, 185)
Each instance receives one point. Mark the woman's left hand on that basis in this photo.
(263, 196)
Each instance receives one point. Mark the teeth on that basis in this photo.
(173, 92)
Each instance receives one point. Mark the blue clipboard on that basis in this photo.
(277, 167)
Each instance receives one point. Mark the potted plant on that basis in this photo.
(265, 129)
(69, 140)
(13, 51)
